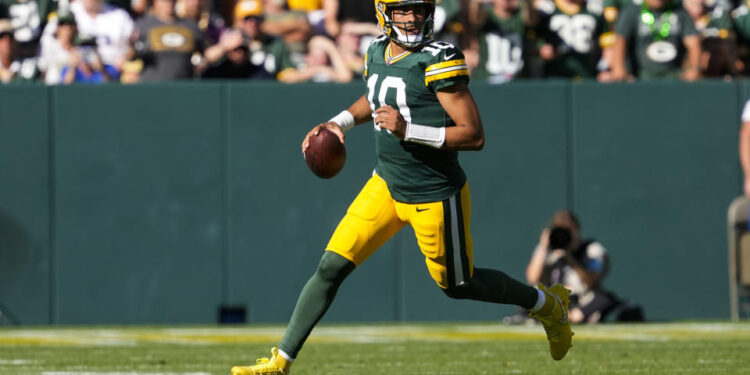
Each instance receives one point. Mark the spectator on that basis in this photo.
(356, 12)
(13, 68)
(503, 41)
(741, 19)
(110, 27)
(314, 11)
(291, 26)
(612, 9)
(85, 66)
(56, 53)
(263, 51)
(169, 47)
(235, 64)
(353, 41)
(657, 39)
(28, 18)
(449, 22)
(718, 43)
(209, 23)
(562, 256)
(321, 63)
(571, 32)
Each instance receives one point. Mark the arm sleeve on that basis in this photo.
(447, 69)
(688, 28)
(625, 25)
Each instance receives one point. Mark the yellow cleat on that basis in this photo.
(554, 318)
(276, 365)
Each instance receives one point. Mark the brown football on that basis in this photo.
(325, 155)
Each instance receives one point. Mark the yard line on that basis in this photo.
(16, 361)
(120, 373)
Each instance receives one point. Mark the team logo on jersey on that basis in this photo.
(661, 52)
(172, 38)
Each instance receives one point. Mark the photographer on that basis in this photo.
(580, 265)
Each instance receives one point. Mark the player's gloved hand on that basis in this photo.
(332, 126)
(389, 118)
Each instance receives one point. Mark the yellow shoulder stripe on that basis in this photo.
(366, 53)
(448, 74)
(445, 64)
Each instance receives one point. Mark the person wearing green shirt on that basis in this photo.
(658, 40)
(504, 31)
(741, 20)
(718, 39)
(572, 32)
(422, 112)
(14, 68)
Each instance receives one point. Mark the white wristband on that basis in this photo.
(426, 135)
(345, 120)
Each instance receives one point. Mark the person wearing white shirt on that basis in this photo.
(109, 26)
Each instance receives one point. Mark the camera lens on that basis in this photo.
(559, 238)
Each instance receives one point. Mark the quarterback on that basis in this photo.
(423, 113)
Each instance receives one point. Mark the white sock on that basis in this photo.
(539, 302)
(286, 356)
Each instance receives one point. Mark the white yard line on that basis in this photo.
(120, 373)
(16, 361)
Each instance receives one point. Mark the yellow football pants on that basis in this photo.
(441, 228)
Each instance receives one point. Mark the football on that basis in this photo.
(325, 155)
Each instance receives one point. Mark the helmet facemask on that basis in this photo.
(396, 30)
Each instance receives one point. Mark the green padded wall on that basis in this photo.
(160, 203)
(25, 253)
(655, 170)
(138, 203)
(281, 216)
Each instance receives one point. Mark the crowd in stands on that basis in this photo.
(130, 41)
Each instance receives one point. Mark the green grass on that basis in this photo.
(676, 348)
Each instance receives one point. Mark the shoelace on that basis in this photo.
(264, 365)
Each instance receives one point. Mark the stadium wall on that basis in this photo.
(160, 203)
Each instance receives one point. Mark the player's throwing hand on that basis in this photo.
(389, 118)
(328, 125)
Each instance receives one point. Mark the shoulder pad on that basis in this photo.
(448, 64)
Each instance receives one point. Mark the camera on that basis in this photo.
(560, 238)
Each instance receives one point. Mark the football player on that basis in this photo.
(423, 114)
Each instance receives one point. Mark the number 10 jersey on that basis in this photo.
(415, 173)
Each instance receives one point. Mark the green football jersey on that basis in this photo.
(501, 47)
(715, 24)
(575, 37)
(28, 17)
(415, 173)
(652, 54)
(741, 18)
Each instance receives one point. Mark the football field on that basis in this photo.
(429, 349)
